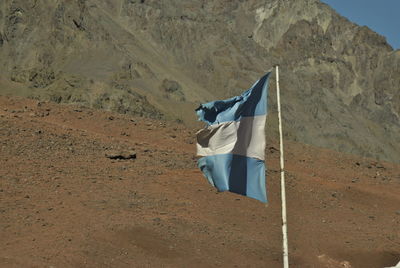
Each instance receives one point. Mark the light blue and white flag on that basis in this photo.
(232, 145)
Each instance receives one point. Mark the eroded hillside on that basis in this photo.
(65, 203)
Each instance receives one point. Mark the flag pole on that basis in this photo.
(283, 191)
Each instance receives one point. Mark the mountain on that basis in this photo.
(160, 59)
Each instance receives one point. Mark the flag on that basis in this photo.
(232, 145)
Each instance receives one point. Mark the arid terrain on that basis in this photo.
(65, 203)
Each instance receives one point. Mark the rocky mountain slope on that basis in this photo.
(340, 82)
(65, 203)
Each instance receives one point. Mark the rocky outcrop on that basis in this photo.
(340, 82)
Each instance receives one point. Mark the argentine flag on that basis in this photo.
(232, 145)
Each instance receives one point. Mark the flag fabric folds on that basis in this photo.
(232, 145)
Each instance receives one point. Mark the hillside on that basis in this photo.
(64, 203)
(160, 59)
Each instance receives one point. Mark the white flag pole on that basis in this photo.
(283, 191)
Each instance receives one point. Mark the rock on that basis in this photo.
(121, 155)
(172, 90)
(272, 149)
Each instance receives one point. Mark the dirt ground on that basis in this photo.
(63, 203)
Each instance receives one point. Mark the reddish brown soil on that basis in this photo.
(64, 204)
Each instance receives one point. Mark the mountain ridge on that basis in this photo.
(340, 82)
